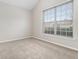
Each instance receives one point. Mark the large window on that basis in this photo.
(58, 20)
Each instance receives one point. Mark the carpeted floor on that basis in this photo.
(34, 49)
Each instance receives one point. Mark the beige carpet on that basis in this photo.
(34, 49)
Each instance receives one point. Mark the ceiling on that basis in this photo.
(27, 4)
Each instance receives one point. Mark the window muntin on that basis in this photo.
(58, 20)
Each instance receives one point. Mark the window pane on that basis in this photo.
(64, 27)
(70, 34)
(64, 19)
(52, 28)
(63, 33)
(64, 12)
(46, 16)
(49, 27)
(46, 27)
(67, 11)
(49, 18)
(58, 13)
(58, 31)
(51, 15)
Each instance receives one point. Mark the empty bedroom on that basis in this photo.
(38, 29)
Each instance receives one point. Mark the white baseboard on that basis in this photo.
(14, 39)
(68, 47)
(42, 40)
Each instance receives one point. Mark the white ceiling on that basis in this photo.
(27, 4)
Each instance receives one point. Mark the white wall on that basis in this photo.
(38, 24)
(15, 23)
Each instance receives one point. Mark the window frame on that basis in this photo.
(55, 26)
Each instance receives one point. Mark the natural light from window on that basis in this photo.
(58, 20)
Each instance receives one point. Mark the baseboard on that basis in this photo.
(14, 39)
(42, 40)
(68, 47)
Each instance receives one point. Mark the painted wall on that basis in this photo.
(15, 23)
(38, 24)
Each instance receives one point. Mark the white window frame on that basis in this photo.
(55, 35)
